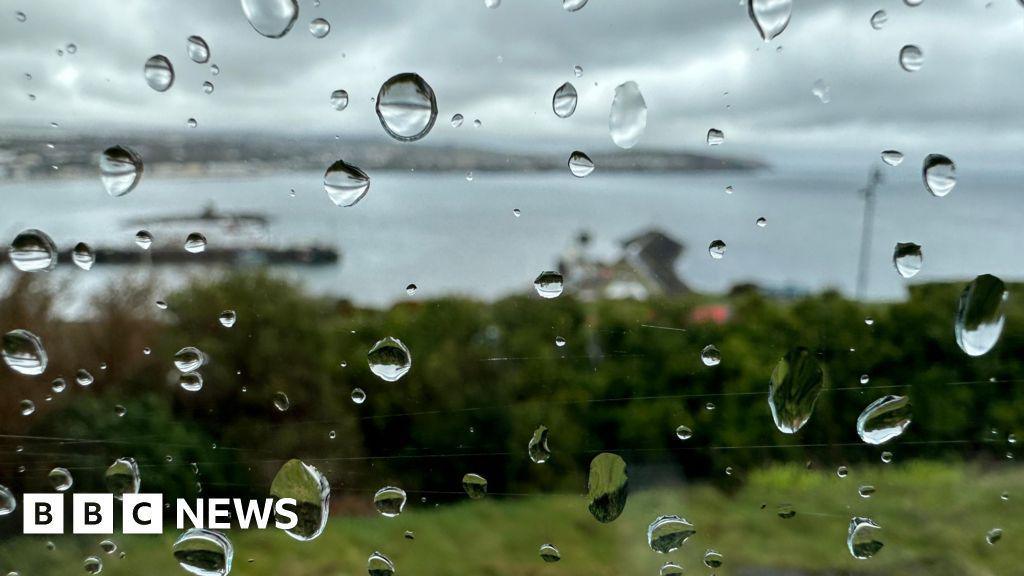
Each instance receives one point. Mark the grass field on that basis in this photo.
(933, 516)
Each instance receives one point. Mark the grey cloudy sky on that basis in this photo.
(684, 54)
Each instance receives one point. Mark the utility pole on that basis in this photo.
(867, 225)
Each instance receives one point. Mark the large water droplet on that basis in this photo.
(980, 315)
(939, 173)
(122, 477)
(670, 569)
(92, 565)
(564, 101)
(339, 100)
(389, 359)
(195, 243)
(861, 538)
(83, 256)
(143, 239)
(204, 552)
(884, 419)
(108, 546)
(406, 107)
(712, 559)
(684, 432)
(33, 251)
(319, 27)
(188, 359)
(345, 184)
(770, 16)
(120, 170)
(628, 118)
(710, 355)
(607, 486)
(83, 377)
(23, 352)
(580, 164)
(191, 381)
(8, 503)
(550, 553)
(548, 284)
(358, 396)
(715, 137)
(907, 258)
(796, 382)
(878, 19)
(198, 50)
(892, 157)
(717, 249)
(389, 501)
(159, 73)
(911, 58)
(379, 565)
(312, 494)
(475, 486)
(667, 533)
(60, 479)
(538, 446)
(271, 18)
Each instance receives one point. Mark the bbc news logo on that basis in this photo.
(144, 513)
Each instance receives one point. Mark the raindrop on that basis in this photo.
(159, 73)
(538, 446)
(345, 184)
(457, 120)
(994, 535)
(227, 318)
(563, 103)
(477, 123)
(312, 495)
(389, 359)
(358, 396)
(122, 477)
(939, 173)
(577, 71)
(319, 27)
(573, 5)
(907, 259)
(866, 491)
(120, 410)
(108, 546)
(911, 58)
(27, 407)
(214, 70)
(92, 565)
(379, 565)
(550, 553)
(795, 384)
(684, 433)
(281, 401)
(715, 137)
(878, 19)
(120, 170)
(389, 501)
(271, 18)
(710, 355)
(671, 569)
(204, 552)
(58, 385)
(712, 559)
(559, 341)
(821, 91)
(913, 3)
(83, 256)
(208, 87)
(60, 479)
(23, 352)
(33, 251)
(580, 164)
(20, 16)
(191, 381)
(761, 222)
(339, 100)
(668, 533)
(860, 538)
(195, 243)
(770, 16)
(406, 107)
(516, 212)
(143, 239)
(411, 289)
(548, 284)
(198, 50)
(607, 487)
(188, 359)
(886, 457)
(83, 377)
(628, 117)
(892, 157)
(191, 123)
(8, 503)
(884, 419)
(864, 378)
(980, 315)
(492, 3)
(475, 486)
(716, 249)
(842, 471)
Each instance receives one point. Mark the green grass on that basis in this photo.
(933, 516)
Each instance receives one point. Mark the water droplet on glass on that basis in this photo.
(564, 101)
(120, 170)
(884, 419)
(538, 446)
(580, 164)
(770, 16)
(715, 137)
(23, 352)
(710, 355)
(189, 359)
(281, 401)
(207, 87)
(892, 157)
(980, 315)
(20, 16)
(878, 19)
(627, 120)
(607, 487)
(345, 184)
(684, 433)
(406, 107)
(712, 559)
(60, 479)
(143, 239)
(939, 173)
(108, 546)
(548, 284)
(191, 381)
(550, 553)
(227, 318)
(92, 565)
(477, 123)
(204, 552)
(83, 377)
(312, 494)
(339, 100)
(907, 258)
(8, 503)
(122, 477)
(379, 565)
(821, 91)
(911, 58)
(573, 5)
(668, 533)
(319, 27)
(33, 251)
(717, 249)
(159, 73)
(886, 457)
(796, 382)
(860, 538)
(475, 486)
(913, 3)
(27, 407)
(670, 569)
(842, 471)
(457, 120)
(389, 501)
(83, 256)
(271, 18)
(58, 385)
(994, 535)
(866, 491)
(389, 359)
(195, 243)
(410, 289)
(358, 396)
(577, 71)
(198, 50)
(214, 70)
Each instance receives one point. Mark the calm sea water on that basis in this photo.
(449, 235)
